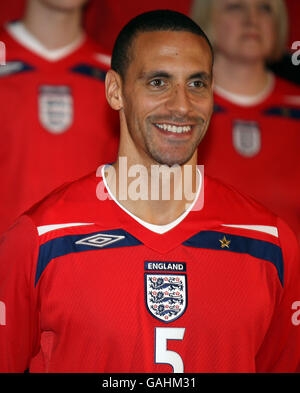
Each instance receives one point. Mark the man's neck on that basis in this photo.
(52, 27)
(155, 194)
(245, 78)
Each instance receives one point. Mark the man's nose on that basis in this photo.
(178, 102)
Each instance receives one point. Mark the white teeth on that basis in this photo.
(172, 128)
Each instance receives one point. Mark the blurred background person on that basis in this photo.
(253, 141)
(56, 125)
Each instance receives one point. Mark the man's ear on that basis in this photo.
(113, 89)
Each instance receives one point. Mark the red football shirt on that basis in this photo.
(84, 287)
(255, 148)
(56, 125)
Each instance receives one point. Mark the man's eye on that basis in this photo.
(197, 84)
(157, 83)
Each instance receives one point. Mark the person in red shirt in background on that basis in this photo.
(254, 137)
(56, 125)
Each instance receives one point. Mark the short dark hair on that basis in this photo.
(158, 20)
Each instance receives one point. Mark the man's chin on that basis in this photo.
(172, 161)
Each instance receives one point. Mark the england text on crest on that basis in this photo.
(55, 108)
(246, 137)
(166, 295)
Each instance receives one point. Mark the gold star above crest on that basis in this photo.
(224, 242)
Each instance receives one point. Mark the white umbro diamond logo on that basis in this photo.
(100, 240)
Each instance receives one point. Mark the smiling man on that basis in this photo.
(161, 84)
(142, 285)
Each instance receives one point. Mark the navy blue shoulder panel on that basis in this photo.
(90, 71)
(244, 245)
(292, 113)
(68, 244)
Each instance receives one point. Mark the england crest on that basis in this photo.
(246, 138)
(55, 108)
(166, 295)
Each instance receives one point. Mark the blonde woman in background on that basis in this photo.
(254, 138)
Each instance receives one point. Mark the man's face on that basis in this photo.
(167, 95)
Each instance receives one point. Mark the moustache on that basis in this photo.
(176, 119)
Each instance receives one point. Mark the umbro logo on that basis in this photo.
(100, 240)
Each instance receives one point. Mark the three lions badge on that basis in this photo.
(165, 290)
(246, 138)
(55, 108)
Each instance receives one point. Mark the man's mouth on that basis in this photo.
(176, 129)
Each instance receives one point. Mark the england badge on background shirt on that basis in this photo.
(166, 293)
(55, 108)
(246, 137)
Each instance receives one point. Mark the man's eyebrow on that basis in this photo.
(155, 74)
(205, 76)
(201, 75)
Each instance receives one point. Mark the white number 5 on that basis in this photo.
(162, 355)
